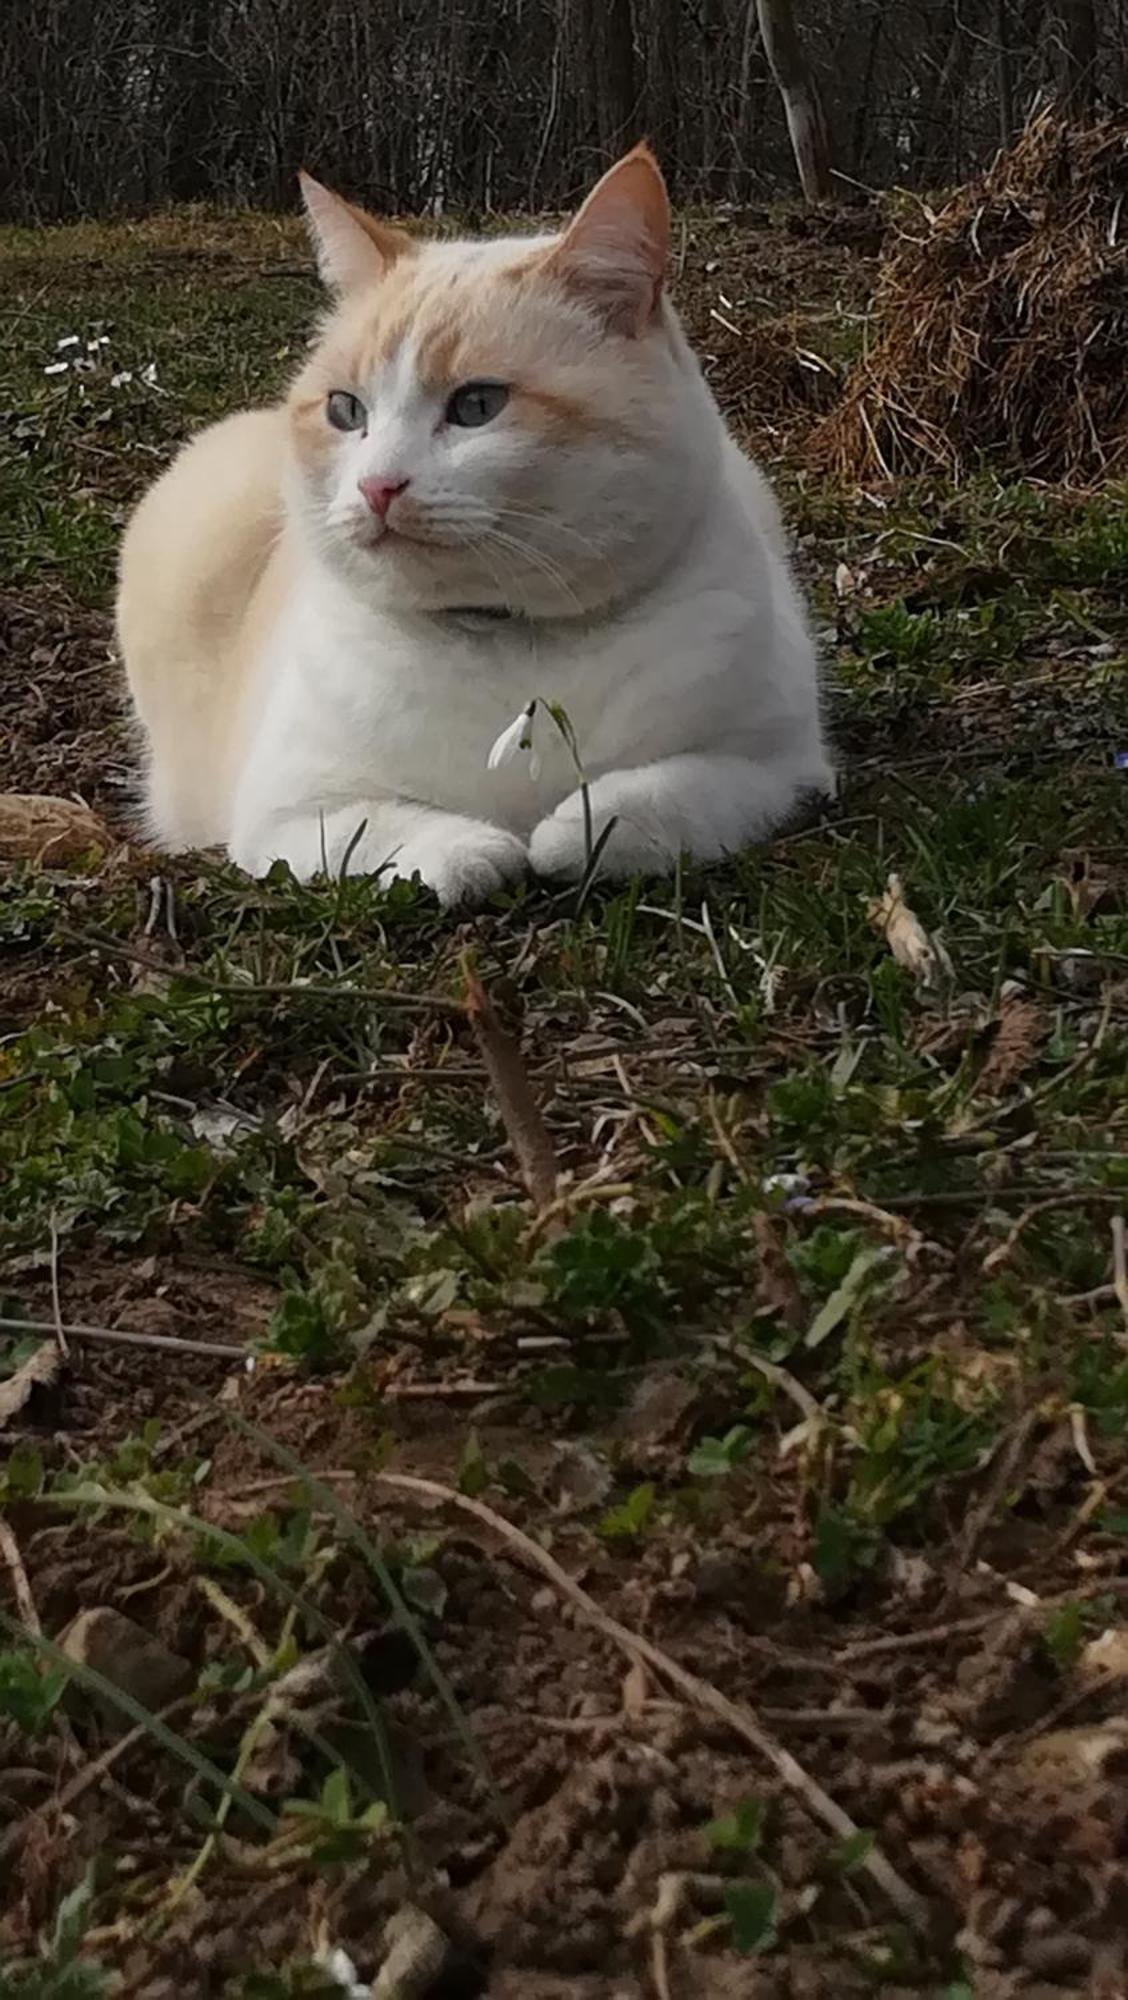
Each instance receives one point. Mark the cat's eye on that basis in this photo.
(345, 411)
(476, 403)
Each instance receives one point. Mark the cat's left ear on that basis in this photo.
(614, 251)
(353, 248)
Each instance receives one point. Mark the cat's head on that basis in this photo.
(506, 423)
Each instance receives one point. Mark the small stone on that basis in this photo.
(416, 1954)
(51, 832)
(544, 1600)
(1068, 1758)
(133, 1659)
(1106, 1657)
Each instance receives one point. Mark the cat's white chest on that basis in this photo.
(413, 708)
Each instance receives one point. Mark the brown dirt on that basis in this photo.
(912, 1701)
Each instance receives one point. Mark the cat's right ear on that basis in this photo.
(353, 248)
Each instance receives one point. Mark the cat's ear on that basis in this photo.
(353, 248)
(613, 253)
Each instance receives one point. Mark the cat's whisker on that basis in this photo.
(543, 518)
(539, 562)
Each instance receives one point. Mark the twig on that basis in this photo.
(521, 1116)
(56, 1302)
(399, 1073)
(897, 1226)
(1120, 1264)
(25, 1602)
(399, 1392)
(74, 1330)
(282, 1482)
(782, 1379)
(389, 996)
(979, 1517)
(701, 1693)
(595, 1189)
(723, 1138)
(80, 1784)
(1083, 1198)
(911, 1642)
(938, 1635)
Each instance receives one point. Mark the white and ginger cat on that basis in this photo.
(499, 476)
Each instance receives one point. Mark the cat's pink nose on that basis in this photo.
(380, 493)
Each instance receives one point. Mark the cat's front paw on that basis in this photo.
(558, 848)
(465, 864)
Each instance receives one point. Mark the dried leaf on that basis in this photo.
(1019, 1035)
(911, 945)
(845, 582)
(39, 1371)
(777, 1287)
(49, 831)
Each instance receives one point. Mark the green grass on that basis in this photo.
(743, 1037)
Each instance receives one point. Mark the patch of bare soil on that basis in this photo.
(63, 730)
(924, 1703)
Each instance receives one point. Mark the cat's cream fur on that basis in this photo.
(323, 684)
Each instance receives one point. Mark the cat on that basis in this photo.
(500, 477)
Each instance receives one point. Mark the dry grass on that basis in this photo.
(1001, 322)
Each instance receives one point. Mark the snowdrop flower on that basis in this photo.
(795, 1189)
(56, 368)
(119, 380)
(149, 374)
(68, 340)
(340, 1969)
(516, 738)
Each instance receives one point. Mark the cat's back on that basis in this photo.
(200, 566)
(204, 527)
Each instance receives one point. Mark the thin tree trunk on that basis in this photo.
(940, 161)
(802, 105)
(607, 29)
(1003, 67)
(1079, 39)
(862, 109)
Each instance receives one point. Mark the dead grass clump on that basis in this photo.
(1002, 322)
(768, 370)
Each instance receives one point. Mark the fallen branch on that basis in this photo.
(118, 1336)
(520, 1112)
(702, 1694)
(1084, 1198)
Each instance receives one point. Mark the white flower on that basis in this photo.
(56, 368)
(149, 374)
(119, 380)
(341, 1970)
(515, 738)
(68, 340)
